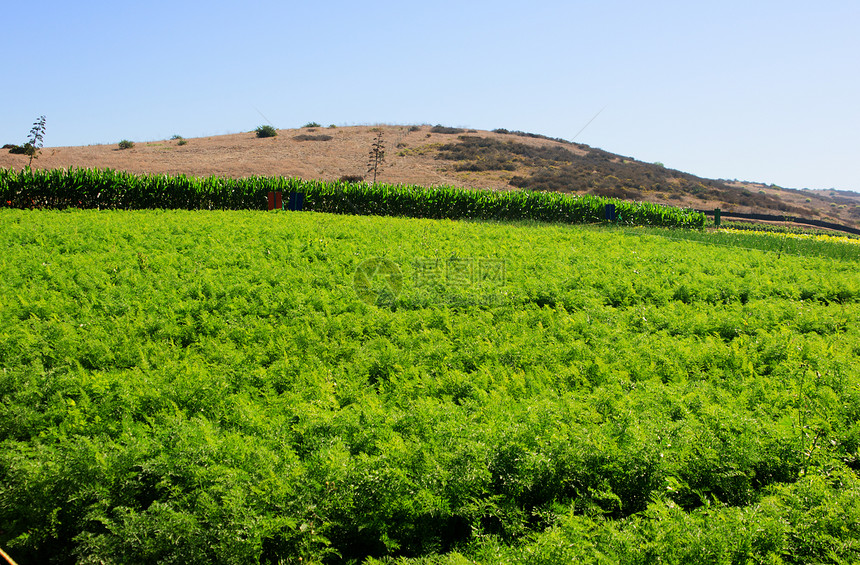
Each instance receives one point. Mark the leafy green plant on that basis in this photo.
(126, 144)
(311, 125)
(266, 131)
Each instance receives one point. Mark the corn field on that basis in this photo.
(108, 189)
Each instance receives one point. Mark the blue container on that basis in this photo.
(610, 212)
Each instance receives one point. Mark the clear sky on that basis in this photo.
(755, 90)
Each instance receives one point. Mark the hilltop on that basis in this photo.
(436, 155)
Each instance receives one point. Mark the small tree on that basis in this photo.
(377, 156)
(35, 141)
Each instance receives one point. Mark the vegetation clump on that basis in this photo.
(266, 131)
(308, 137)
(476, 148)
(125, 144)
(558, 168)
(445, 129)
(533, 135)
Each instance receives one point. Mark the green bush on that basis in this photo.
(266, 131)
(311, 125)
(126, 144)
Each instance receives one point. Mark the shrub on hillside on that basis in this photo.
(532, 135)
(266, 131)
(126, 144)
(306, 137)
(475, 148)
(557, 168)
(444, 129)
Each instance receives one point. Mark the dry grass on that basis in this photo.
(243, 154)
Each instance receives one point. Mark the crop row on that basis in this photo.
(108, 189)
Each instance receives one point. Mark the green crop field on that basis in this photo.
(253, 387)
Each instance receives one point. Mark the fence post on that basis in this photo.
(717, 217)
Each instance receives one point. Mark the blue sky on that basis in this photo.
(754, 90)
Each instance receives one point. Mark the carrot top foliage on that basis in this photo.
(240, 387)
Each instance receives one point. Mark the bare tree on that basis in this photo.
(377, 156)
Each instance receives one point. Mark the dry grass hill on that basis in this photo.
(436, 155)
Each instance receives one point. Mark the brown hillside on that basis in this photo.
(430, 156)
